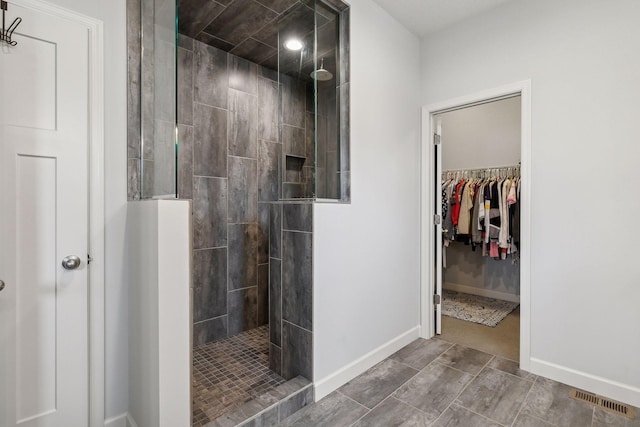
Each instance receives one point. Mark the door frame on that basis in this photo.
(427, 225)
(95, 162)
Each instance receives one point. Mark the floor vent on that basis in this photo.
(601, 402)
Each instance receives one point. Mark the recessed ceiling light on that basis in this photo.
(293, 44)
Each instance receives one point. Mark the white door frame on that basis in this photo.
(427, 259)
(95, 160)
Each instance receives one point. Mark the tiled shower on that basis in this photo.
(257, 142)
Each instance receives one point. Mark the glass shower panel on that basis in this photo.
(158, 99)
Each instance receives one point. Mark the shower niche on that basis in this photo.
(260, 97)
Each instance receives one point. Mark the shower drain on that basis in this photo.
(606, 404)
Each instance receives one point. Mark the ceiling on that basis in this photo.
(251, 29)
(424, 17)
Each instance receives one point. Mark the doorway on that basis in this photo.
(455, 274)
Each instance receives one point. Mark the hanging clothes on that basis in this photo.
(483, 211)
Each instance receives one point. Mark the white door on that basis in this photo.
(438, 224)
(43, 219)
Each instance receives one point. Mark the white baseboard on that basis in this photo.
(343, 375)
(481, 292)
(123, 420)
(624, 393)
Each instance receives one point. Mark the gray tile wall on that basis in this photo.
(252, 255)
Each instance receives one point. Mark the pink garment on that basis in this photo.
(511, 198)
(494, 252)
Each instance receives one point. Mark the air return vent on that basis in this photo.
(606, 404)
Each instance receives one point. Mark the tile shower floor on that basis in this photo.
(229, 372)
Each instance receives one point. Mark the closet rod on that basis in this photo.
(482, 172)
(482, 169)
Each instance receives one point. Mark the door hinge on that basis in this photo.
(436, 139)
(89, 259)
(436, 219)
(436, 299)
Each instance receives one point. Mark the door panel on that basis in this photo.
(44, 217)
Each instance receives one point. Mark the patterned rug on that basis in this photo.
(476, 309)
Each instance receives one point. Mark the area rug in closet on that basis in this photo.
(476, 309)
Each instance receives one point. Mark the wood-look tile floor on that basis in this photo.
(230, 372)
(437, 383)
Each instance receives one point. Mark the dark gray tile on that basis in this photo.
(297, 217)
(549, 400)
(268, 418)
(393, 412)
(272, 64)
(239, 20)
(297, 278)
(209, 283)
(294, 191)
(210, 75)
(376, 384)
(263, 233)
(185, 162)
(239, 415)
(209, 212)
(213, 41)
(269, 158)
(185, 87)
(275, 301)
(263, 294)
(243, 310)
(297, 352)
(293, 141)
(464, 358)
(433, 389)
(133, 79)
(209, 330)
(196, 14)
(269, 73)
(496, 395)
(243, 256)
(243, 124)
(293, 101)
(510, 367)
(253, 50)
(133, 179)
(335, 410)
(275, 358)
(344, 48)
(243, 75)
(278, 6)
(529, 421)
(602, 418)
(275, 231)
(421, 352)
(243, 190)
(267, 110)
(146, 176)
(185, 42)
(296, 402)
(210, 141)
(292, 386)
(457, 416)
(294, 167)
(345, 185)
(345, 128)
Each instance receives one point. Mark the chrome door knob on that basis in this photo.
(1, 285)
(71, 262)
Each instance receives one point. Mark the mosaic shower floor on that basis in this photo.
(230, 372)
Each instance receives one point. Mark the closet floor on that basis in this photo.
(503, 340)
(230, 372)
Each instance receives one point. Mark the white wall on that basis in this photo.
(482, 136)
(366, 254)
(112, 14)
(583, 60)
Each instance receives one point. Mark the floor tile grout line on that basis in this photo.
(478, 414)
(510, 374)
(524, 401)
(463, 388)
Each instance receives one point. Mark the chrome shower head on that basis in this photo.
(321, 74)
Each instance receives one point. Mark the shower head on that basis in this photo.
(321, 74)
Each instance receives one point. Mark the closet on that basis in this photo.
(480, 187)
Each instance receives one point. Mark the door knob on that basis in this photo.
(71, 262)
(1, 285)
